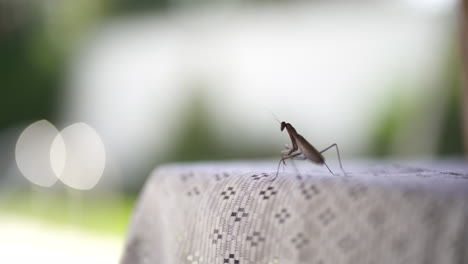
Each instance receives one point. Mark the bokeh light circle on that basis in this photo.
(32, 153)
(78, 156)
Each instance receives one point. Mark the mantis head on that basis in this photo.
(283, 125)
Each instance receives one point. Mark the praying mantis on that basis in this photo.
(301, 149)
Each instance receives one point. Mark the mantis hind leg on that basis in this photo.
(329, 169)
(339, 157)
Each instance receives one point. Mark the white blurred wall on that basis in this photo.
(329, 69)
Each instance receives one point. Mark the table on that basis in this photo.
(239, 212)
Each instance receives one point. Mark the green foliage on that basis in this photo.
(391, 121)
(196, 140)
(28, 91)
(451, 134)
(100, 214)
(34, 55)
(199, 140)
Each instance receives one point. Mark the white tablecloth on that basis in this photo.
(235, 213)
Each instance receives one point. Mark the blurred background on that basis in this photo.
(175, 80)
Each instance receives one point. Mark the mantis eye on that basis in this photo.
(283, 125)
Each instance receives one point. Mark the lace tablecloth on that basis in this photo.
(236, 213)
